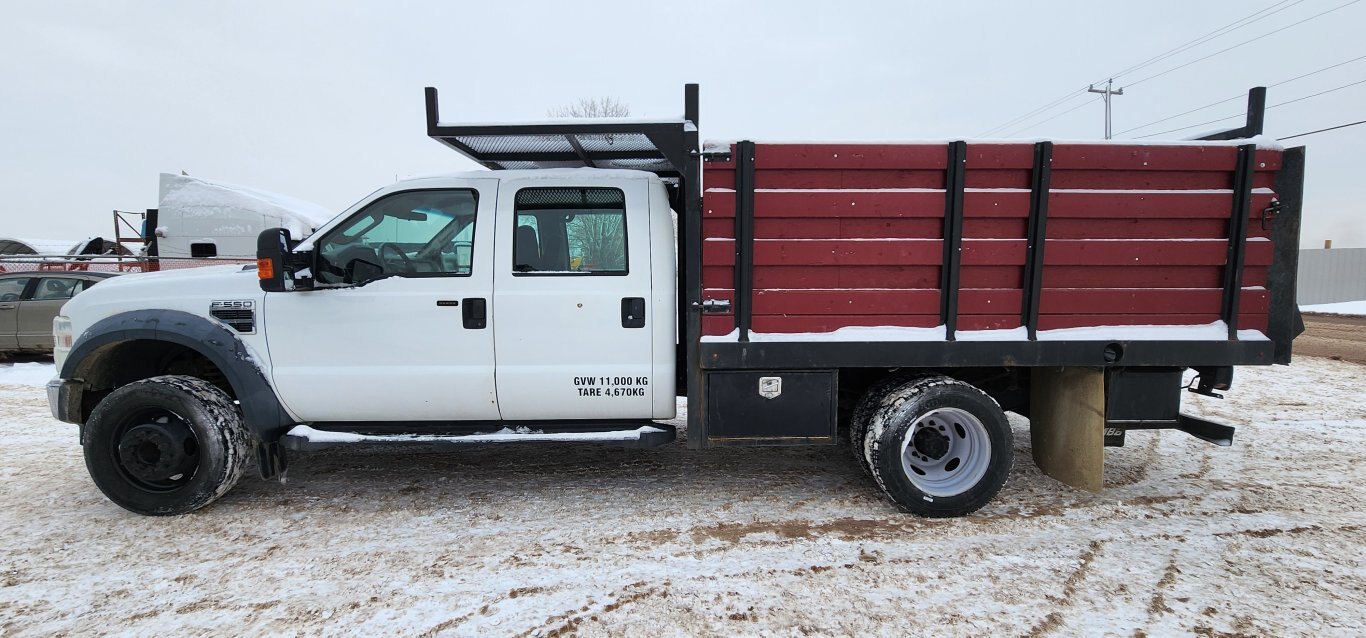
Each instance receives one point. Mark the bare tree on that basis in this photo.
(592, 107)
(600, 239)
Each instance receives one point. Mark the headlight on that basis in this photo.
(61, 339)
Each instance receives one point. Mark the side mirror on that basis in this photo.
(276, 263)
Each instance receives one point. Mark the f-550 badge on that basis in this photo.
(236, 304)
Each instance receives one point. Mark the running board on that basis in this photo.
(303, 438)
(1203, 429)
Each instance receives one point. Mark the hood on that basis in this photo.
(188, 290)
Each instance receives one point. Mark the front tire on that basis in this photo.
(938, 447)
(166, 445)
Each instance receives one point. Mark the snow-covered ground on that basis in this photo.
(1357, 308)
(1264, 538)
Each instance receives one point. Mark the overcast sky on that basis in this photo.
(323, 101)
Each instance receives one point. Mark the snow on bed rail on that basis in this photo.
(1216, 331)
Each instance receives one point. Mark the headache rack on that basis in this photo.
(662, 147)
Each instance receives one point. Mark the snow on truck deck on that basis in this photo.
(1263, 538)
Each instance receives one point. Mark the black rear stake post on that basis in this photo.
(1237, 236)
(953, 236)
(744, 238)
(1038, 232)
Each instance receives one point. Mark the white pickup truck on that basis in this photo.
(558, 299)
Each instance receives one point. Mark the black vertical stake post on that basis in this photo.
(1037, 237)
(689, 198)
(1256, 111)
(744, 238)
(1285, 323)
(691, 264)
(953, 237)
(1237, 236)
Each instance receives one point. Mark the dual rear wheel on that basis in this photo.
(936, 446)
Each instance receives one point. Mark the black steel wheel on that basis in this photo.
(165, 445)
(938, 447)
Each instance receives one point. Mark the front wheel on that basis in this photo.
(166, 445)
(938, 447)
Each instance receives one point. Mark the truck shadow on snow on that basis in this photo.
(418, 478)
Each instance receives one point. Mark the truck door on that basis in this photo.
(571, 284)
(407, 338)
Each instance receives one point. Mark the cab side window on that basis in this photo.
(570, 231)
(412, 234)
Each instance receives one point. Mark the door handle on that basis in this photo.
(8, 306)
(474, 313)
(633, 312)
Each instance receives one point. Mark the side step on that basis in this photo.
(304, 438)
(1203, 429)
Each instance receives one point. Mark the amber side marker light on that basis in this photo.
(265, 268)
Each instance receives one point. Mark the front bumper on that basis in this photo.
(64, 398)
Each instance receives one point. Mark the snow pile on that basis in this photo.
(1357, 308)
(34, 374)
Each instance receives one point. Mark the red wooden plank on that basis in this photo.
(1146, 204)
(997, 179)
(1000, 156)
(989, 301)
(1107, 301)
(718, 178)
(988, 322)
(827, 277)
(991, 276)
(717, 325)
(1114, 252)
(995, 228)
(846, 302)
(995, 203)
(853, 252)
(1082, 228)
(993, 252)
(830, 323)
(1054, 322)
(718, 227)
(828, 178)
(1140, 180)
(850, 156)
(717, 276)
(848, 203)
(1137, 157)
(846, 228)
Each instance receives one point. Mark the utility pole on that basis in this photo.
(1105, 94)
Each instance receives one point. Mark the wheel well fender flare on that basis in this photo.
(262, 411)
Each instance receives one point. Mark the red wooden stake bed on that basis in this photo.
(852, 235)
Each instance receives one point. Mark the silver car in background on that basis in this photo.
(29, 301)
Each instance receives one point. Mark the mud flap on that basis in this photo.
(1067, 425)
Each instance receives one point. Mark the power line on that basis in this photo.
(1221, 31)
(1224, 30)
(1243, 43)
(1331, 128)
(1298, 99)
(1240, 95)
(1054, 117)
